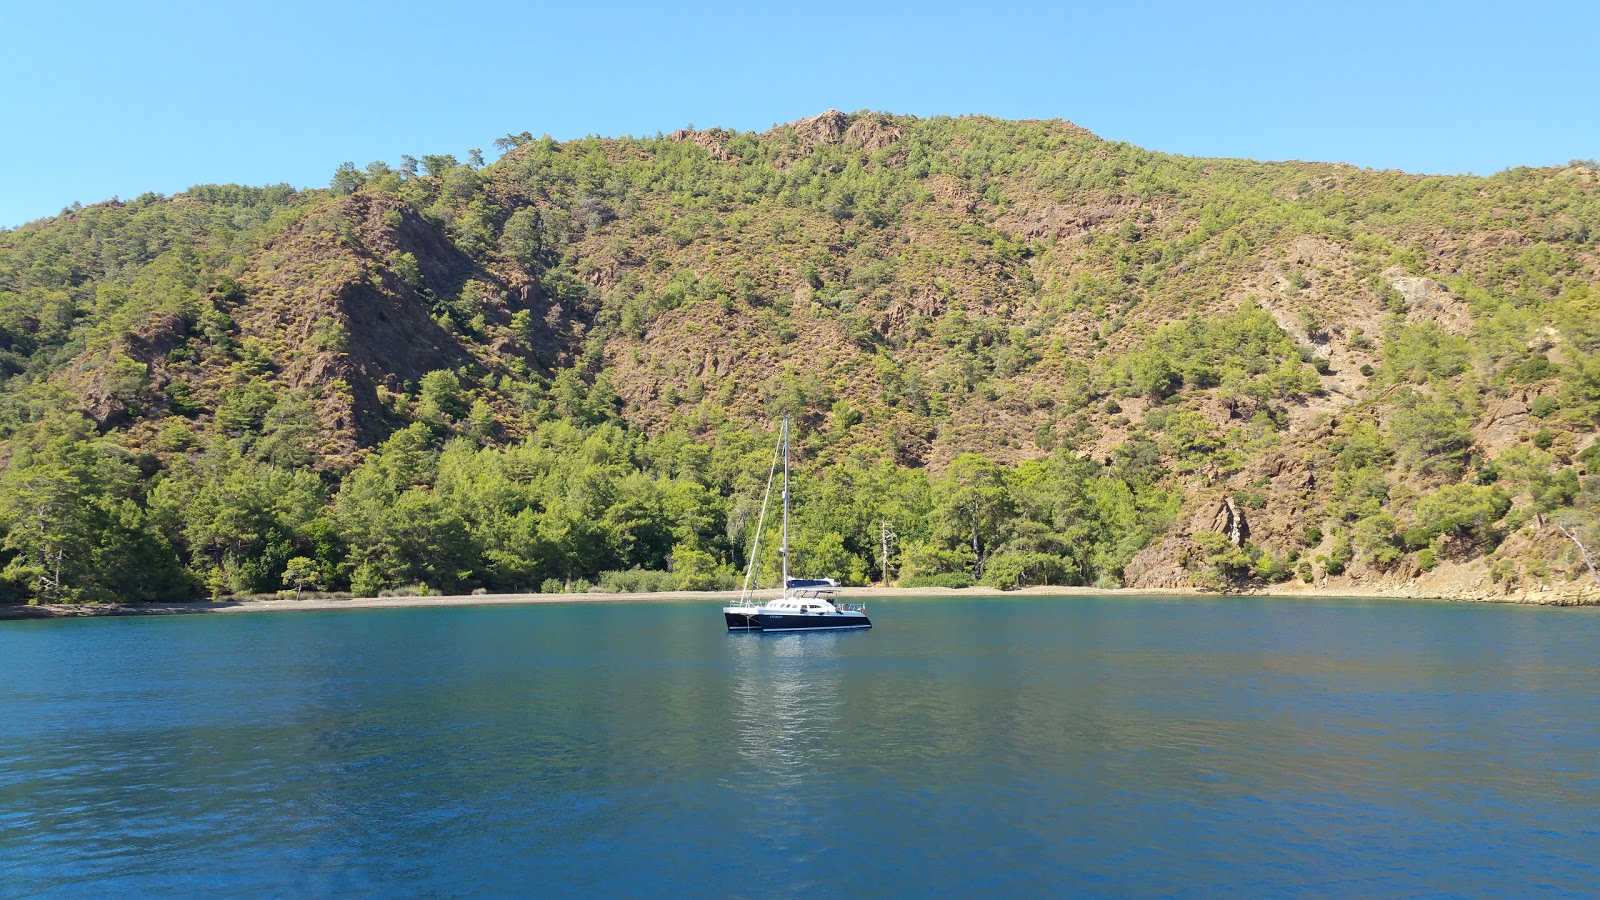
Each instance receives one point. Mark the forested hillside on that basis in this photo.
(1033, 355)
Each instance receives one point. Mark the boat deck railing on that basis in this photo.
(851, 607)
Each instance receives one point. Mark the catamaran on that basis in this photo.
(805, 604)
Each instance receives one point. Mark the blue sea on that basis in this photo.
(1008, 746)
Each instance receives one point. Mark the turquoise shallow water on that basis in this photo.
(1018, 746)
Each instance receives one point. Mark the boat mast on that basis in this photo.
(785, 548)
(755, 549)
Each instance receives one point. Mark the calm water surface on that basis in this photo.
(1021, 746)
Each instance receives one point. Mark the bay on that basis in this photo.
(1021, 745)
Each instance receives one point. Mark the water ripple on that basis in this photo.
(1011, 746)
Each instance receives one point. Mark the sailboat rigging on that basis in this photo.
(804, 604)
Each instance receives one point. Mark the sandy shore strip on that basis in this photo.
(45, 611)
(1573, 596)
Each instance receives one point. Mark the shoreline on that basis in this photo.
(1573, 596)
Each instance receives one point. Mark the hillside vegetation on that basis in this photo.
(1034, 356)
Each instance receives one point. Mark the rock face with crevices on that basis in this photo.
(868, 131)
(1229, 521)
(1428, 300)
(827, 127)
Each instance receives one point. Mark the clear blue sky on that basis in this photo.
(120, 98)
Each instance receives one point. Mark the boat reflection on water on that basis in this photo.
(786, 702)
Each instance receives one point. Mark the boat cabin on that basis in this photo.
(804, 605)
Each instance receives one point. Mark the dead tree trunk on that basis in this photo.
(1588, 558)
(888, 536)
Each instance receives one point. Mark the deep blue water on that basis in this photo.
(1016, 746)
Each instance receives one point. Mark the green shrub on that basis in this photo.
(941, 580)
(1468, 511)
(365, 581)
(1534, 369)
(1375, 534)
(180, 399)
(637, 581)
(1227, 562)
(1590, 458)
(697, 570)
(1015, 568)
(1272, 568)
(1431, 433)
(1424, 351)
(1502, 570)
(1339, 556)
(919, 558)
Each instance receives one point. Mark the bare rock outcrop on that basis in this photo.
(1229, 519)
(827, 127)
(1166, 562)
(1428, 300)
(869, 131)
(872, 132)
(1159, 565)
(102, 383)
(1504, 421)
(336, 276)
(714, 141)
(1059, 220)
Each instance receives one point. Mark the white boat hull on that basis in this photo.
(745, 618)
